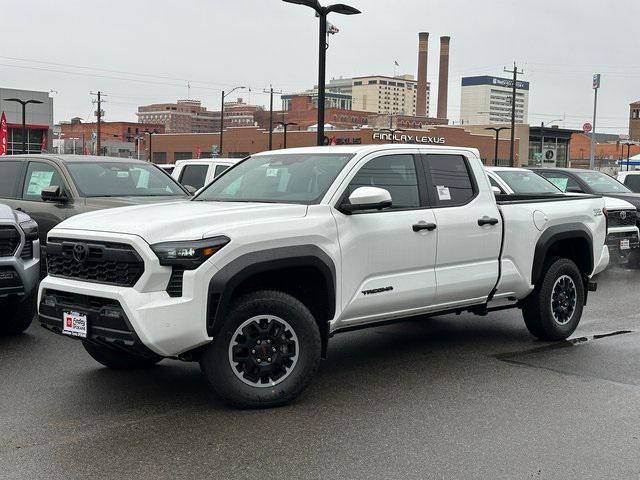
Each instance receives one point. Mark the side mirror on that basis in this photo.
(53, 193)
(367, 198)
(190, 189)
(496, 190)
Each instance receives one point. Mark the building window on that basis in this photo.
(357, 83)
(373, 82)
(383, 82)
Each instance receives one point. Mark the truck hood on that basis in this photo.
(180, 220)
(6, 213)
(632, 198)
(617, 204)
(95, 203)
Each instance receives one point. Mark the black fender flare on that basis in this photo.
(224, 282)
(554, 234)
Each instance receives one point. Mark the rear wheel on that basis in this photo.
(266, 352)
(118, 359)
(553, 310)
(18, 313)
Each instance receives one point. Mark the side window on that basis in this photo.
(219, 169)
(394, 173)
(450, 179)
(562, 181)
(495, 184)
(40, 176)
(194, 175)
(633, 182)
(9, 178)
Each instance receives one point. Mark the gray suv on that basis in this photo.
(19, 270)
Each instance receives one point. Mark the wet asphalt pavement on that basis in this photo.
(448, 397)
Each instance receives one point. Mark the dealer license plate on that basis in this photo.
(624, 244)
(74, 324)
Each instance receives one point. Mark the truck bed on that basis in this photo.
(505, 199)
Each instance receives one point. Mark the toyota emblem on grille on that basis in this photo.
(623, 215)
(80, 252)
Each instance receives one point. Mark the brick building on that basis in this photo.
(239, 142)
(184, 116)
(122, 131)
(634, 121)
(580, 151)
(239, 114)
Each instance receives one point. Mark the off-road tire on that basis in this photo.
(537, 310)
(267, 307)
(118, 359)
(19, 313)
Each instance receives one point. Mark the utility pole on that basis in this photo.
(592, 155)
(515, 73)
(99, 121)
(271, 92)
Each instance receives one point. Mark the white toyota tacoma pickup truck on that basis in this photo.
(286, 248)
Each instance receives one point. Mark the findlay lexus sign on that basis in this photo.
(405, 138)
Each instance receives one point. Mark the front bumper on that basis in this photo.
(167, 326)
(615, 239)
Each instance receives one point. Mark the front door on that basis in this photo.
(387, 264)
(469, 230)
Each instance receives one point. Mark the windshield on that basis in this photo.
(115, 179)
(526, 182)
(602, 183)
(278, 178)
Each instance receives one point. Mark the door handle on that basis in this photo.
(487, 221)
(423, 226)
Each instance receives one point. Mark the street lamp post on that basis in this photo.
(150, 149)
(24, 104)
(497, 130)
(222, 115)
(321, 13)
(285, 125)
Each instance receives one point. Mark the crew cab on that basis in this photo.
(622, 233)
(51, 188)
(287, 248)
(19, 270)
(198, 173)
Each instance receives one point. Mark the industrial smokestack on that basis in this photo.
(443, 77)
(421, 95)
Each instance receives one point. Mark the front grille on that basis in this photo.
(174, 287)
(621, 218)
(100, 262)
(9, 240)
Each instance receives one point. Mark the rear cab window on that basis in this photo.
(10, 178)
(450, 180)
(194, 175)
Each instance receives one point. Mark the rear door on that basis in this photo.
(194, 175)
(469, 228)
(11, 178)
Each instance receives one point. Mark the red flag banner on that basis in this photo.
(3, 135)
(43, 142)
(198, 153)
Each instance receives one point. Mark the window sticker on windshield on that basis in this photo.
(443, 192)
(561, 183)
(123, 174)
(39, 181)
(272, 172)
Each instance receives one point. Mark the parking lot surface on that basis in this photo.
(445, 397)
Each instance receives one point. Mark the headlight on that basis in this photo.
(189, 254)
(28, 225)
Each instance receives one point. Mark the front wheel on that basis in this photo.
(553, 310)
(266, 353)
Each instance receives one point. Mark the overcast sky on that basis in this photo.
(146, 51)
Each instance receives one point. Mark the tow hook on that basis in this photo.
(592, 286)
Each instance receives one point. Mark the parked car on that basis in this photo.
(198, 173)
(167, 167)
(630, 179)
(622, 231)
(19, 270)
(51, 188)
(254, 275)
